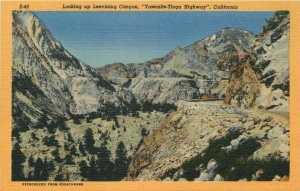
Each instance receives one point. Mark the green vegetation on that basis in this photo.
(144, 132)
(149, 107)
(42, 170)
(50, 141)
(121, 162)
(247, 167)
(109, 112)
(101, 168)
(17, 159)
(89, 141)
(212, 152)
(104, 164)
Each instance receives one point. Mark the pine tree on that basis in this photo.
(34, 137)
(89, 141)
(104, 164)
(73, 151)
(121, 162)
(93, 173)
(50, 141)
(31, 161)
(144, 132)
(50, 167)
(62, 125)
(38, 169)
(59, 176)
(89, 172)
(45, 171)
(69, 159)
(147, 106)
(84, 169)
(117, 125)
(76, 120)
(66, 147)
(56, 155)
(133, 107)
(51, 127)
(88, 119)
(17, 159)
(41, 122)
(82, 148)
(30, 176)
(70, 138)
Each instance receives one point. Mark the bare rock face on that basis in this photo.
(66, 85)
(273, 63)
(262, 79)
(243, 86)
(164, 90)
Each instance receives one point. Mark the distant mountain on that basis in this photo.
(198, 68)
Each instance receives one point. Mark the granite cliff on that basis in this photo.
(58, 81)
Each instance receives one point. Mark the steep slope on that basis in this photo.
(269, 69)
(199, 68)
(66, 147)
(66, 86)
(272, 50)
(243, 86)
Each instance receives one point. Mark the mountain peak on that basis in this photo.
(60, 76)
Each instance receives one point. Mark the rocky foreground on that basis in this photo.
(210, 141)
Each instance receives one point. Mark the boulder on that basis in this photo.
(277, 131)
(212, 165)
(276, 178)
(218, 177)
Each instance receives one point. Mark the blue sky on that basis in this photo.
(99, 38)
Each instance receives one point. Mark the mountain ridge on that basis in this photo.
(204, 63)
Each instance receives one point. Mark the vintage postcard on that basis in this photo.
(149, 95)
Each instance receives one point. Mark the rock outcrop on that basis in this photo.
(272, 50)
(243, 86)
(164, 90)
